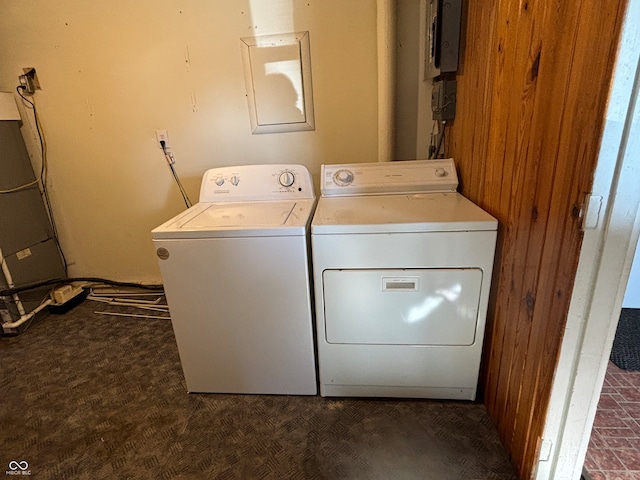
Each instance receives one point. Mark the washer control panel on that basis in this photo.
(408, 176)
(256, 182)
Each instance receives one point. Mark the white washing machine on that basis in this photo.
(236, 274)
(402, 268)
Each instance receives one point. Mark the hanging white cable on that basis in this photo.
(42, 180)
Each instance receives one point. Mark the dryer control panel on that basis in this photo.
(408, 176)
(256, 182)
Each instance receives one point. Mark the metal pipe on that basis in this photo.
(386, 32)
(10, 284)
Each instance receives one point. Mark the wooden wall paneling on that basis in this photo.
(515, 199)
(481, 180)
(509, 138)
(531, 100)
(473, 98)
(577, 152)
(476, 45)
(496, 90)
(582, 124)
(535, 217)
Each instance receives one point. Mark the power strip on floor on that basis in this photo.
(66, 297)
(63, 294)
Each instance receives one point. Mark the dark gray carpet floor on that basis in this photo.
(626, 344)
(85, 396)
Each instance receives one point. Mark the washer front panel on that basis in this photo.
(241, 313)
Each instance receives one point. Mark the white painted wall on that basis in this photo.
(413, 116)
(114, 72)
(632, 295)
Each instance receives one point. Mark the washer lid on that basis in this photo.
(239, 219)
(422, 212)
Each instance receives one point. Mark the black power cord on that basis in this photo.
(437, 140)
(61, 281)
(43, 177)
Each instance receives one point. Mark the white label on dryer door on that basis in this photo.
(400, 284)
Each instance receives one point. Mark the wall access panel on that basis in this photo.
(277, 73)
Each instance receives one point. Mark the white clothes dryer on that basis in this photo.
(236, 274)
(402, 269)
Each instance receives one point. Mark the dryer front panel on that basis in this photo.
(431, 306)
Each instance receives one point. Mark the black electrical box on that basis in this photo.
(443, 100)
(443, 37)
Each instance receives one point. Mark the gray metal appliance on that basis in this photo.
(28, 251)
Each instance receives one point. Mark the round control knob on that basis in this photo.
(287, 179)
(440, 172)
(220, 181)
(235, 180)
(343, 177)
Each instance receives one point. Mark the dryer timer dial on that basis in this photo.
(343, 177)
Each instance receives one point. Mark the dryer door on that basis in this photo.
(433, 306)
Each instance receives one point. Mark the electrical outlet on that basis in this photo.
(29, 81)
(26, 85)
(162, 135)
